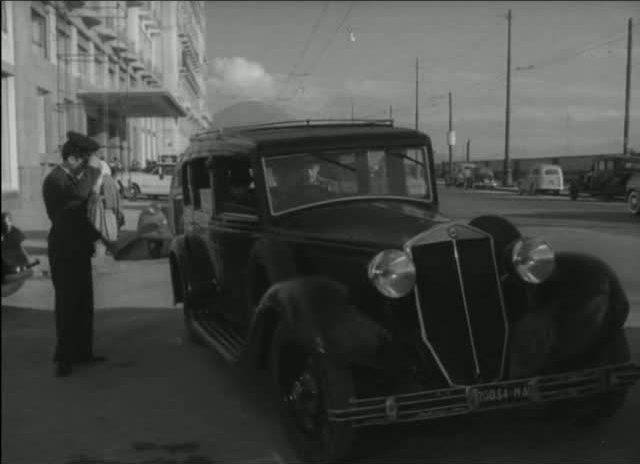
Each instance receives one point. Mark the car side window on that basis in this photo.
(201, 184)
(236, 187)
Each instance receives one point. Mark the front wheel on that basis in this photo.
(308, 384)
(633, 202)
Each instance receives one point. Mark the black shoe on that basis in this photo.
(63, 369)
(92, 360)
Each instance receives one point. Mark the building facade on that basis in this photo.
(130, 74)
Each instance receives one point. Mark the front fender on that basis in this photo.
(318, 311)
(568, 316)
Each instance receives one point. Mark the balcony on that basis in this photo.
(137, 64)
(89, 17)
(119, 46)
(106, 33)
(74, 5)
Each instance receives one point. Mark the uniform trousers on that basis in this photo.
(73, 284)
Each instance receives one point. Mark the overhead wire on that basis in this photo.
(310, 69)
(305, 48)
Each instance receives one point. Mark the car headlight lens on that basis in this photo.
(533, 259)
(393, 273)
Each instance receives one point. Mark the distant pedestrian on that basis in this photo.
(66, 192)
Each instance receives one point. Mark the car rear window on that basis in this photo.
(551, 172)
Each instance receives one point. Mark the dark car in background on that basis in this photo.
(607, 177)
(316, 250)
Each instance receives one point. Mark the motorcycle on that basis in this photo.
(17, 265)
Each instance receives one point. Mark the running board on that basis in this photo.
(225, 341)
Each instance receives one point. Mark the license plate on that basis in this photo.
(491, 396)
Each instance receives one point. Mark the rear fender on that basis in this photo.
(570, 315)
(318, 311)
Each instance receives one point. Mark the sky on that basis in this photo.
(318, 59)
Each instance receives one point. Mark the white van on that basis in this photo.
(542, 178)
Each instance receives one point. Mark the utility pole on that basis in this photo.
(352, 109)
(417, 65)
(450, 135)
(627, 94)
(506, 170)
(468, 146)
(390, 111)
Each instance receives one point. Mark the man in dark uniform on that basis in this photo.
(66, 192)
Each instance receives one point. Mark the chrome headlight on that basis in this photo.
(393, 273)
(533, 259)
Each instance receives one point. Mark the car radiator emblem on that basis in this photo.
(453, 232)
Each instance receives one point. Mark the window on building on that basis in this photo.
(83, 56)
(39, 33)
(113, 81)
(41, 128)
(99, 68)
(8, 176)
(5, 21)
(63, 43)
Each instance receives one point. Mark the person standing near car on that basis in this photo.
(66, 192)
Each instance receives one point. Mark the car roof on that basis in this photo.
(290, 136)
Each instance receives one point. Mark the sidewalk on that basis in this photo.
(117, 284)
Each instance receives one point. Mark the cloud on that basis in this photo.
(239, 77)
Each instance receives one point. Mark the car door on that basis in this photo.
(235, 228)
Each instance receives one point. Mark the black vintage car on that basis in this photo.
(316, 250)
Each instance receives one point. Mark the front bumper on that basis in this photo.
(432, 404)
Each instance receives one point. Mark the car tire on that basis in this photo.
(156, 248)
(187, 311)
(597, 409)
(633, 202)
(307, 384)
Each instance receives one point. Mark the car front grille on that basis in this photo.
(460, 306)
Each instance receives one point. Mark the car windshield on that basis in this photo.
(551, 172)
(303, 179)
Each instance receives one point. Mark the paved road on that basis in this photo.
(161, 400)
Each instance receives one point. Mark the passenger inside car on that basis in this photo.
(240, 198)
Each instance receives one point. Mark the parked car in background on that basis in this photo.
(542, 178)
(317, 250)
(633, 193)
(483, 178)
(607, 177)
(463, 174)
(154, 183)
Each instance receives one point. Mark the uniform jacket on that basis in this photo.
(66, 199)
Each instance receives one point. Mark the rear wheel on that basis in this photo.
(308, 384)
(188, 310)
(155, 248)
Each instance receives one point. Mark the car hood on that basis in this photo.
(383, 223)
